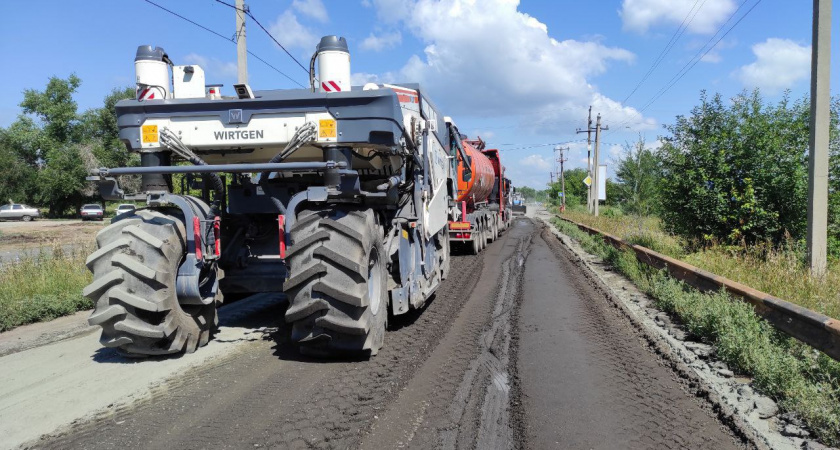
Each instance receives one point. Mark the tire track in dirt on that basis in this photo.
(268, 395)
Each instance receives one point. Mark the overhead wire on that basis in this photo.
(671, 43)
(702, 52)
(225, 38)
(248, 12)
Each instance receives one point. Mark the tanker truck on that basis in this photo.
(337, 196)
(481, 212)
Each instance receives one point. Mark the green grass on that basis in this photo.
(798, 377)
(43, 286)
(780, 272)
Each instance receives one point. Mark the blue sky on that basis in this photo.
(519, 73)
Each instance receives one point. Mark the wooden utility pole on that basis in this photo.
(595, 179)
(817, 235)
(241, 44)
(588, 132)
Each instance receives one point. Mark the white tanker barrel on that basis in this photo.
(151, 66)
(333, 64)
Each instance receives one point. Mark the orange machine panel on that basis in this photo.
(479, 187)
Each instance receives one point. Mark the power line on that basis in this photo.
(671, 42)
(690, 65)
(693, 61)
(248, 12)
(225, 38)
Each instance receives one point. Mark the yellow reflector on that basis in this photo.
(150, 134)
(326, 128)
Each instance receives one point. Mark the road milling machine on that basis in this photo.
(338, 196)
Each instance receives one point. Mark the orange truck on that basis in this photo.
(482, 212)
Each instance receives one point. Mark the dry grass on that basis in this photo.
(778, 272)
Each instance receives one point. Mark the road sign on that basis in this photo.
(587, 181)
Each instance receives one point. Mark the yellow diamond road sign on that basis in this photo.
(588, 180)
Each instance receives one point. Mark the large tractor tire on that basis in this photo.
(338, 285)
(133, 289)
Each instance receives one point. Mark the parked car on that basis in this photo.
(124, 208)
(91, 212)
(17, 211)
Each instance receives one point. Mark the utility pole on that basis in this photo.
(588, 132)
(818, 151)
(563, 179)
(241, 44)
(595, 179)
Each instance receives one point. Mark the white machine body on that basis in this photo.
(333, 64)
(189, 81)
(152, 73)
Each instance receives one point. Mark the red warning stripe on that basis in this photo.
(330, 86)
(146, 94)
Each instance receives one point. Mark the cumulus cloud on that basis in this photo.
(311, 8)
(291, 33)
(779, 64)
(536, 162)
(390, 11)
(703, 18)
(470, 69)
(214, 68)
(382, 42)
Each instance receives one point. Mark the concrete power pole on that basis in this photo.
(563, 178)
(595, 176)
(241, 43)
(588, 132)
(817, 236)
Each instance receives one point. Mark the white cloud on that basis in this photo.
(382, 42)
(537, 162)
(779, 64)
(311, 8)
(390, 11)
(289, 32)
(214, 68)
(641, 15)
(469, 70)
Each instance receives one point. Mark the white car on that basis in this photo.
(17, 211)
(125, 208)
(92, 212)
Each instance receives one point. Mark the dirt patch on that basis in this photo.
(25, 235)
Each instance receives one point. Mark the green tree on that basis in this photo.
(638, 175)
(737, 173)
(100, 125)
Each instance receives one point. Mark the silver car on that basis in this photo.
(92, 212)
(124, 208)
(16, 211)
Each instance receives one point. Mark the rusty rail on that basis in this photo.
(815, 329)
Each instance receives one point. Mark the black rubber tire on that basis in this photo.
(26, 218)
(445, 260)
(475, 243)
(133, 289)
(338, 283)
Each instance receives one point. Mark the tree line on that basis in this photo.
(732, 173)
(47, 152)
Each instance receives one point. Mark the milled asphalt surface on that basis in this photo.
(587, 379)
(516, 350)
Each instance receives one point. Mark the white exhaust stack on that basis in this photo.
(151, 65)
(333, 64)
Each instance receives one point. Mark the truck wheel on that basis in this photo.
(338, 285)
(443, 248)
(133, 288)
(475, 248)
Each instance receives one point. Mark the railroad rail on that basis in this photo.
(815, 329)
